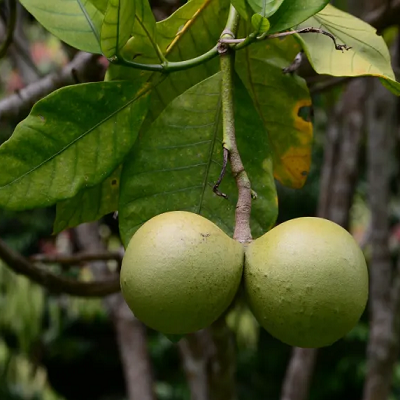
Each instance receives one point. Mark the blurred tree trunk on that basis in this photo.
(19, 50)
(131, 333)
(383, 342)
(337, 185)
(208, 358)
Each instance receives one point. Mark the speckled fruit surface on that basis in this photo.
(306, 281)
(180, 272)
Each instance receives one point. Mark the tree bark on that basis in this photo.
(208, 358)
(196, 349)
(84, 67)
(337, 185)
(131, 333)
(383, 342)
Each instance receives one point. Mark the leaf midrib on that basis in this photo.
(73, 141)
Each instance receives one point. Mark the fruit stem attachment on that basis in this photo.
(242, 231)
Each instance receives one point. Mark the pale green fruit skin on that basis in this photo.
(306, 281)
(180, 272)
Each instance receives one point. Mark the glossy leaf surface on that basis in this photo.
(73, 139)
(76, 22)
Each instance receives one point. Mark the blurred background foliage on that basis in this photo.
(63, 348)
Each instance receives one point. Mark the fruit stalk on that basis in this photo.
(242, 231)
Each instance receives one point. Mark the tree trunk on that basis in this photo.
(208, 358)
(383, 342)
(131, 333)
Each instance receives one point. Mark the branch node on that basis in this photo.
(295, 65)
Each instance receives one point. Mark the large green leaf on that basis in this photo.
(368, 55)
(279, 99)
(175, 164)
(293, 12)
(89, 204)
(72, 139)
(117, 26)
(76, 22)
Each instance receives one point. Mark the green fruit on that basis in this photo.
(306, 282)
(180, 272)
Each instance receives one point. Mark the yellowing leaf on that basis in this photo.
(280, 100)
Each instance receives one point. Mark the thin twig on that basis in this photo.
(341, 47)
(54, 283)
(12, 19)
(73, 259)
(222, 174)
(295, 65)
(86, 66)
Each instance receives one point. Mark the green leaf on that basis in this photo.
(279, 99)
(368, 55)
(72, 139)
(256, 152)
(293, 12)
(144, 41)
(265, 8)
(76, 22)
(181, 20)
(204, 22)
(89, 204)
(141, 47)
(260, 23)
(243, 8)
(117, 26)
(101, 5)
(200, 33)
(175, 164)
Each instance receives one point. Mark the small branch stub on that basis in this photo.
(295, 65)
(222, 174)
(53, 282)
